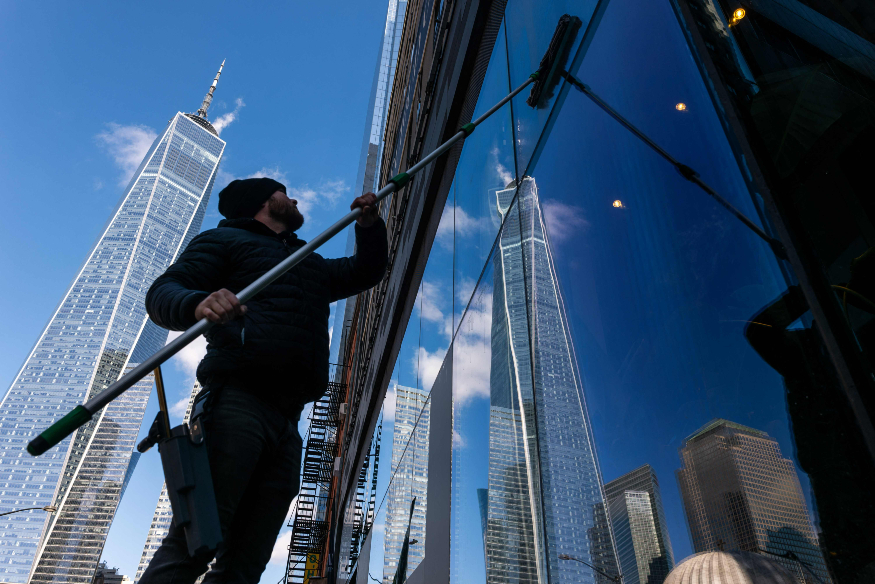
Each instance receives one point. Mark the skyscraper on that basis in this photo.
(740, 493)
(99, 331)
(409, 474)
(638, 521)
(368, 176)
(544, 481)
(163, 517)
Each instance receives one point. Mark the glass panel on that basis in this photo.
(803, 90)
(530, 26)
(679, 319)
(485, 167)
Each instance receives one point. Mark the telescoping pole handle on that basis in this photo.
(80, 415)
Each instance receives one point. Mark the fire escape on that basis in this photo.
(309, 527)
(365, 503)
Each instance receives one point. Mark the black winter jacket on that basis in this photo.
(279, 348)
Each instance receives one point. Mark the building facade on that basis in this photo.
(644, 550)
(410, 478)
(99, 331)
(741, 494)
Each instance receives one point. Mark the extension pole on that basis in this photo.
(81, 414)
(685, 171)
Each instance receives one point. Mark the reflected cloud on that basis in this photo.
(472, 348)
(501, 170)
(455, 220)
(563, 220)
(389, 405)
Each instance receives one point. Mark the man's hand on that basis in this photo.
(220, 307)
(368, 204)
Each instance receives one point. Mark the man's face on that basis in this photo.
(285, 210)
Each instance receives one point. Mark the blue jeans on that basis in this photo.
(255, 460)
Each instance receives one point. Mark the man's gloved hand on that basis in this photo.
(220, 307)
(368, 203)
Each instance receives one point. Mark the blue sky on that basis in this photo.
(86, 89)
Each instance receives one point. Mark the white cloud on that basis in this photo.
(458, 441)
(225, 120)
(501, 170)
(127, 145)
(280, 554)
(98, 184)
(275, 173)
(177, 410)
(190, 356)
(563, 221)
(325, 194)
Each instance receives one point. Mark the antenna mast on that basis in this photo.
(208, 99)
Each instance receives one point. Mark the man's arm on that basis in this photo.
(185, 288)
(366, 268)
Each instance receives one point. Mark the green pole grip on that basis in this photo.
(468, 129)
(59, 430)
(400, 179)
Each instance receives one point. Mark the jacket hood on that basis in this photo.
(256, 226)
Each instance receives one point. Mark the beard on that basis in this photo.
(286, 212)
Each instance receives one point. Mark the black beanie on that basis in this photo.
(244, 197)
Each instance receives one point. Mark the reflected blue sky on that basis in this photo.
(658, 288)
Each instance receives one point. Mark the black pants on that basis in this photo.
(255, 459)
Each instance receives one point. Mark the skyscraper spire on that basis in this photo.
(208, 98)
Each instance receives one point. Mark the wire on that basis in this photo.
(374, 579)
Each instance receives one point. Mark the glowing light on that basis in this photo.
(618, 204)
(738, 14)
(681, 106)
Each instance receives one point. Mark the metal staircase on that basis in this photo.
(309, 527)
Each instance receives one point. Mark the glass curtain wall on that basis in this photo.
(605, 314)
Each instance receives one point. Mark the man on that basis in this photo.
(264, 361)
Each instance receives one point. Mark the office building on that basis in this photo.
(409, 473)
(638, 520)
(99, 331)
(741, 494)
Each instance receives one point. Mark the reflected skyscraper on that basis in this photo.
(409, 474)
(544, 481)
(740, 493)
(99, 330)
(638, 521)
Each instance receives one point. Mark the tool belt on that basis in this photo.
(187, 475)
